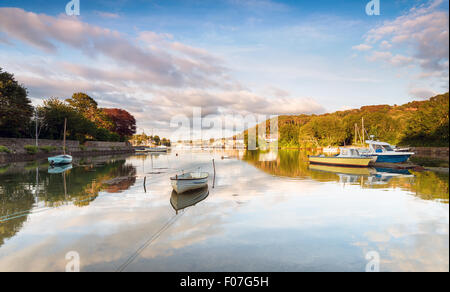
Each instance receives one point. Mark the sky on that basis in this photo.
(160, 59)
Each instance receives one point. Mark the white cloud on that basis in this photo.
(421, 35)
(421, 93)
(362, 47)
(107, 14)
(152, 75)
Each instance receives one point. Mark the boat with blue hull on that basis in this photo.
(60, 160)
(386, 153)
(64, 158)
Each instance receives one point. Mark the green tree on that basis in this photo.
(15, 107)
(157, 140)
(89, 108)
(54, 111)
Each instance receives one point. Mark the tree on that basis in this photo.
(156, 139)
(15, 107)
(123, 123)
(89, 108)
(54, 111)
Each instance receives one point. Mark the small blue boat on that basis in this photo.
(60, 159)
(385, 152)
(64, 158)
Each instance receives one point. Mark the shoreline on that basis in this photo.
(7, 158)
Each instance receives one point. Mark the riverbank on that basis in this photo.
(23, 150)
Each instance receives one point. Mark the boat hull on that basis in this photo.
(341, 161)
(181, 186)
(61, 159)
(397, 158)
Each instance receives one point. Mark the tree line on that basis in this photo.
(417, 123)
(145, 140)
(85, 120)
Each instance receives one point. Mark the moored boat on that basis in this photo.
(60, 159)
(64, 158)
(347, 157)
(386, 153)
(189, 181)
(157, 149)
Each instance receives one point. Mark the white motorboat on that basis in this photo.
(158, 149)
(386, 153)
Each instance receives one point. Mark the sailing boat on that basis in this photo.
(64, 158)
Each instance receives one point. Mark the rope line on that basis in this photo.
(154, 237)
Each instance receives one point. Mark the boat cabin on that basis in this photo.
(379, 147)
(349, 152)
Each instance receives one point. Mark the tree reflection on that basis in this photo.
(294, 163)
(30, 188)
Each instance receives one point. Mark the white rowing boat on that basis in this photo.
(189, 181)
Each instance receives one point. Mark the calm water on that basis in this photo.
(266, 212)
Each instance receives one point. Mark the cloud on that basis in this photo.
(421, 93)
(107, 14)
(362, 47)
(421, 34)
(162, 66)
(395, 60)
(151, 75)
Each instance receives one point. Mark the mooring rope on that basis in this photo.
(154, 237)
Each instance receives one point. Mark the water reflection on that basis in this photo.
(292, 163)
(26, 188)
(187, 199)
(267, 212)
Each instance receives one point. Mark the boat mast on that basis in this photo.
(36, 128)
(363, 130)
(64, 143)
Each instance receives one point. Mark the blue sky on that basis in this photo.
(228, 56)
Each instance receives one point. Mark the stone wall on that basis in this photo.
(17, 145)
(91, 148)
(108, 145)
(433, 152)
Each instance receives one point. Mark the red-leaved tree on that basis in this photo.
(124, 122)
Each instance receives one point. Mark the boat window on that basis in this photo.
(354, 152)
(344, 152)
(378, 148)
(388, 148)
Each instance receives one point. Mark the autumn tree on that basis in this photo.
(54, 112)
(15, 107)
(123, 123)
(89, 108)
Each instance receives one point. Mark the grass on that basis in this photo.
(429, 161)
(31, 149)
(4, 149)
(3, 169)
(48, 149)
